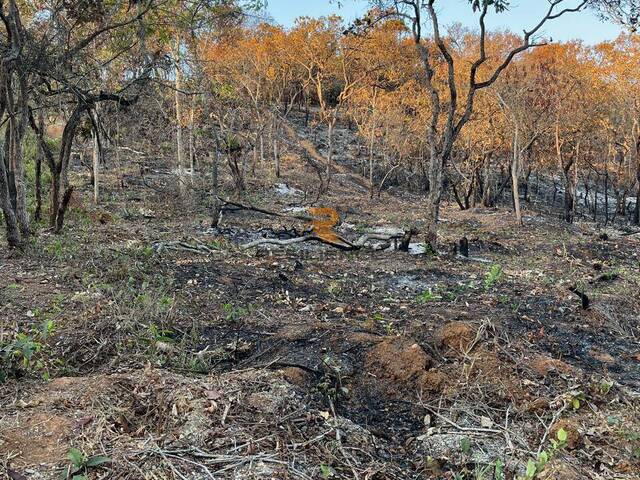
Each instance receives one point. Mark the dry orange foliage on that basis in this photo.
(324, 219)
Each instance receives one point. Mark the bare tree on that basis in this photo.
(449, 112)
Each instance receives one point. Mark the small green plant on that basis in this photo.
(216, 245)
(234, 313)
(634, 439)
(147, 252)
(492, 277)
(159, 334)
(81, 464)
(330, 384)
(21, 355)
(334, 288)
(498, 470)
(465, 445)
(605, 387)
(537, 466)
(577, 399)
(428, 296)
(389, 328)
(326, 471)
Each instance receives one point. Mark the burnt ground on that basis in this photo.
(309, 362)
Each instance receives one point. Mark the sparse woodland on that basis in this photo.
(391, 248)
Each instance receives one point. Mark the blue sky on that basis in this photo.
(523, 14)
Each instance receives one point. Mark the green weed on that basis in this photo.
(80, 464)
(492, 277)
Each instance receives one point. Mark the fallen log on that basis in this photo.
(305, 238)
(341, 243)
(321, 224)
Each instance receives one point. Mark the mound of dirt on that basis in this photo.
(543, 365)
(456, 336)
(401, 365)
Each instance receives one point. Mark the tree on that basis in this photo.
(448, 114)
(626, 12)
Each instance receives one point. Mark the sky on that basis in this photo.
(523, 14)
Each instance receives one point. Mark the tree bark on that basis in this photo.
(434, 197)
(18, 115)
(276, 146)
(96, 165)
(13, 233)
(515, 174)
(38, 180)
(636, 211)
(192, 139)
(372, 141)
(178, 105)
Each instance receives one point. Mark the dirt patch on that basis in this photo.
(400, 363)
(296, 376)
(543, 365)
(35, 439)
(456, 336)
(242, 416)
(575, 438)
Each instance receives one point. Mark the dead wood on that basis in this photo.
(251, 208)
(584, 298)
(341, 243)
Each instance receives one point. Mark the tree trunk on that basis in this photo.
(330, 149)
(13, 233)
(59, 170)
(192, 140)
(515, 173)
(39, 157)
(636, 211)
(434, 197)
(569, 178)
(569, 187)
(178, 104)
(486, 176)
(527, 180)
(16, 130)
(372, 142)
(606, 196)
(276, 147)
(215, 203)
(96, 166)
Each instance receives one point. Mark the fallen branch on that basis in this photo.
(333, 239)
(306, 238)
(251, 208)
(341, 244)
(197, 247)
